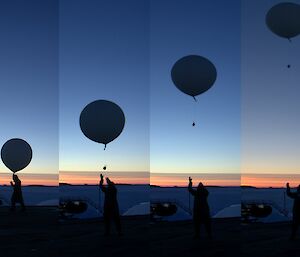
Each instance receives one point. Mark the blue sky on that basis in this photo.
(109, 51)
(104, 54)
(270, 107)
(210, 29)
(58, 57)
(29, 79)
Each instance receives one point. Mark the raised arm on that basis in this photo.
(102, 187)
(190, 187)
(289, 193)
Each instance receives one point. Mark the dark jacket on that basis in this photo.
(110, 199)
(201, 208)
(17, 193)
(296, 208)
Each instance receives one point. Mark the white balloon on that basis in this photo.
(16, 154)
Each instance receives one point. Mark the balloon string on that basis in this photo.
(104, 147)
(194, 112)
(289, 65)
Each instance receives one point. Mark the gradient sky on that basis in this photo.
(29, 80)
(270, 95)
(104, 54)
(58, 56)
(210, 29)
(109, 51)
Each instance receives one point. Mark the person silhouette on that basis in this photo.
(296, 209)
(17, 196)
(111, 207)
(201, 214)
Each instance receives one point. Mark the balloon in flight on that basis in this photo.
(16, 154)
(102, 121)
(193, 75)
(283, 20)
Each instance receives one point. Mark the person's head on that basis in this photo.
(200, 186)
(109, 182)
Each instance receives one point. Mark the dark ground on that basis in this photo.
(37, 233)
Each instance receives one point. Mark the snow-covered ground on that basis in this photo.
(276, 196)
(219, 198)
(130, 196)
(33, 195)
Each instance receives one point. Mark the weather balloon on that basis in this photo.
(193, 75)
(102, 121)
(284, 20)
(16, 154)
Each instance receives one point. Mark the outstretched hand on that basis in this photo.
(101, 176)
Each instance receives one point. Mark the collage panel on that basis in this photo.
(149, 128)
(104, 127)
(270, 127)
(195, 128)
(29, 126)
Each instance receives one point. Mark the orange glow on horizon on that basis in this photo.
(158, 179)
(183, 182)
(76, 178)
(258, 180)
(31, 179)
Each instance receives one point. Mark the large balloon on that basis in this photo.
(284, 20)
(102, 121)
(16, 154)
(193, 75)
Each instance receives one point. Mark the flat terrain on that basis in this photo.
(37, 233)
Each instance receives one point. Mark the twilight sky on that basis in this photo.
(58, 56)
(29, 81)
(270, 107)
(210, 29)
(104, 54)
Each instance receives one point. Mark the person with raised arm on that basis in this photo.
(17, 196)
(296, 209)
(201, 213)
(111, 207)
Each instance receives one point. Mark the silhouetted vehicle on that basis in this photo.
(17, 196)
(201, 214)
(111, 207)
(163, 209)
(253, 211)
(72, 207)
(296, 209)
